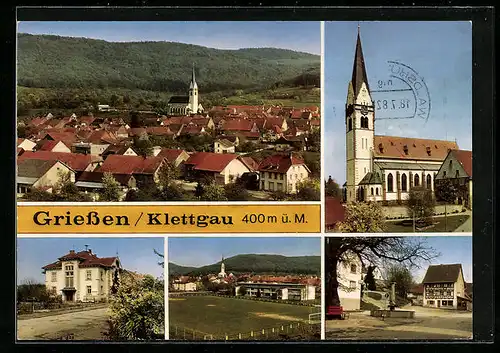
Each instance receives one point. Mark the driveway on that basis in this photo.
(432, 324)
(83, 325)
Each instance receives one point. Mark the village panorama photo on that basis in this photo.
(168, 111)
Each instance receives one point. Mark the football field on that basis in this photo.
(220, 316)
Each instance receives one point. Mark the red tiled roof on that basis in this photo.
(334, 211)
(208, 161)
(121, 164)
(101, 136)
(38, 121)
(238, 125)
(86, 119)
(192, 130)
(423, 149)
(250, 163)
(76, 161)
(170, 154)
(96, 177)
(418, 289)
(159, 131)
(296, 114)
(249, 134)
(66, 136)
(86, 258)
(48, 145)
(465, 159)
(279, 163)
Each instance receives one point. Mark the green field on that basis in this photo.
(448, 225)
(219, 316)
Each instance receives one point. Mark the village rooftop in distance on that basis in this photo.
(200, 137)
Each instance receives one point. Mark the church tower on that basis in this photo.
(360, 120)
(193, 95)
(222, 272)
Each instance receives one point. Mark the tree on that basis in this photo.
(213, 192)
(143, 147)
(242, 290)
(236, 191)
(308, 190)
(111, 190)
(37, 194)
(66, 190)
(421, 204)
(116, 281)
(370, 278)
(278, 196)
(402, 277)
(199, 190)
(447, 191)
(161, 256)
(137, 309)
(332, 189)
(361, 217)
(407, 251)
(31, 290)
(167, 174)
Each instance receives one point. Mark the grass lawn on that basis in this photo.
(219, 316)
(453, 222)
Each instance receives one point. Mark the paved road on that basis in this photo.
(467, 225)
(431, 324)
(84, 325)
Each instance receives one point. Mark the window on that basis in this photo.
(89, 275)
(54, 290)
(279, 186)
(54, 276)
(349, 124)
(269, 175)
(428, 181)
(376, 191)
(101, 289)
(352, 284)
(89, 289)
(431, 302)
(451, 164)
(271, 186)
(354, 268)
(444, 173)
(390, 183)
(456, 173)
(372, 191)
(281, 176)
(102, 275)
(404, 183)
(69, 276)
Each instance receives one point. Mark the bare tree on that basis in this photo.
(407, 251)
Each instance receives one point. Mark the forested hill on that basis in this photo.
(47, 61)
(258, 264)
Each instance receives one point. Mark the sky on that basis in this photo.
(453, 250)
(136, 254)
(294, 35)
(441, 54)
(198, 252)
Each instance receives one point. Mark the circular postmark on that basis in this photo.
(403, 94)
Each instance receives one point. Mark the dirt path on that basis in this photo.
(83, 325)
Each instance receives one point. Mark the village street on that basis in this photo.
(83, 325)
(429, 323)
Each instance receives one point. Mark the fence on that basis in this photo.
(33, 307)
(291, 331)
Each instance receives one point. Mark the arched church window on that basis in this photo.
(428, 181)
(404, 183)
(372, 191)
(349, 124)
(417, 180)
(376, 191)
(390, 183)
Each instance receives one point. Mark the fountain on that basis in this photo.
(392, 312)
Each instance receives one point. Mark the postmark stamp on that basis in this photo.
(402, 94)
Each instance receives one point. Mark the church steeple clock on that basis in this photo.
(360, 119)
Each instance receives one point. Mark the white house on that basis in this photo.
(224, 146)
(457, 168)
(349, 276)
(223, 167)
(282, 173)
(278, 291)
(25, 144)
(444, 287)
(81, 276)
(185, 286)
(44, 174)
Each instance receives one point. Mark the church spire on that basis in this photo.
(193, 79)
(359, 70)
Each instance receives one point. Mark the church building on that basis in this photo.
(383, 168)
(186, 105)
